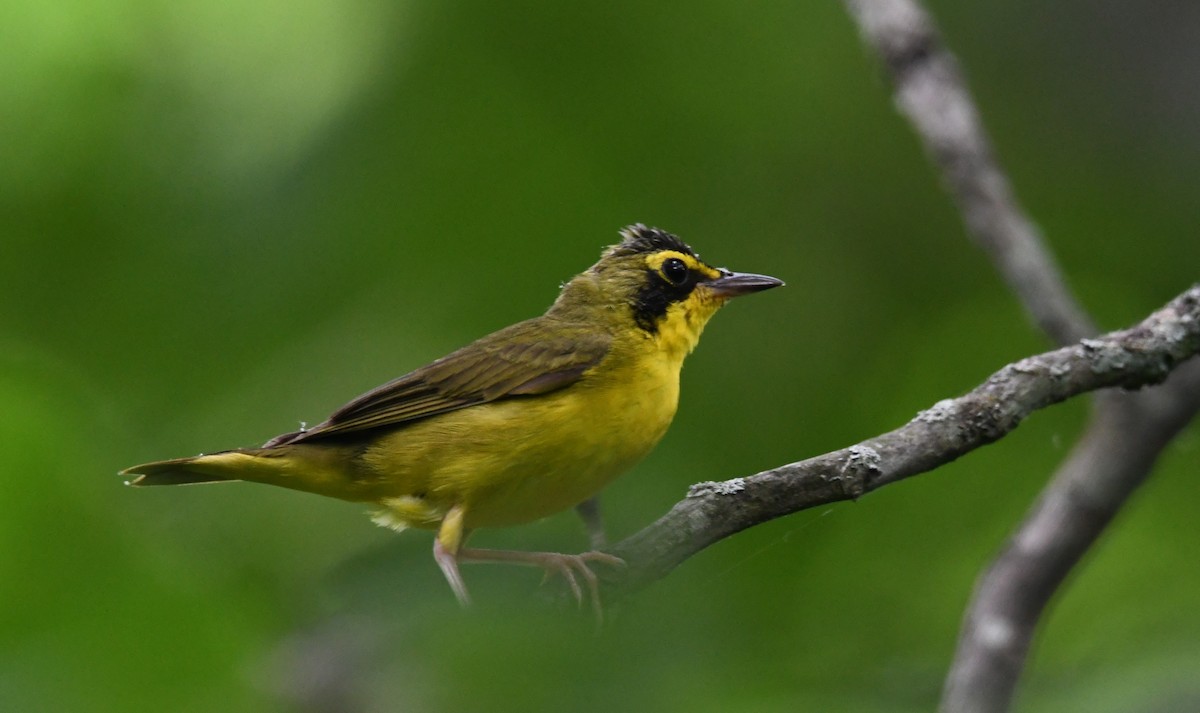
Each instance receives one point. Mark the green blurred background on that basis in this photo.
(219, 219)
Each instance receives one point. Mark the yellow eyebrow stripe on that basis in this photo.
(656, 260)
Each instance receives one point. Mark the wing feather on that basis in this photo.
(532, 357)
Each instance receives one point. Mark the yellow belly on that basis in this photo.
(521, 459)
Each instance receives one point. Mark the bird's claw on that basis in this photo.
(572, 567)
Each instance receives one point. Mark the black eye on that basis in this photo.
(674, 270)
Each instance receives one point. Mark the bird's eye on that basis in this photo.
(674, 270)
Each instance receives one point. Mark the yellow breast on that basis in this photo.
(521, 459)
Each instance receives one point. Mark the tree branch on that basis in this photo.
(1130, 359)
(1115, 455)
(931, 93)
(1127, 431)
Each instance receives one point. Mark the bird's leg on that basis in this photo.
(569, 566)
(589, 512)
(447, 550)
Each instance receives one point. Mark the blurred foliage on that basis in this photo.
(218, 219)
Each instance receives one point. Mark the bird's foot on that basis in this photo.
(572, 568)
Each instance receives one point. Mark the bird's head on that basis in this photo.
(656, 282)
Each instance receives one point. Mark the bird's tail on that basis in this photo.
(212, 468)
(314, 469)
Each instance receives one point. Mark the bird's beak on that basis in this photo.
(735, 284)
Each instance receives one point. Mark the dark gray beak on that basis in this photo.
(735, 284)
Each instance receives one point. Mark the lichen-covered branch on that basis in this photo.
(1128, 359)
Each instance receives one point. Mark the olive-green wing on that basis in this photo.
(532, 357)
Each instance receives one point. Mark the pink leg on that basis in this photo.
(449, 565)
(446, 548)
(589, 512)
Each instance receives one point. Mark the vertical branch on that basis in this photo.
(1127, 431)
(931, 93)
(1116, 454)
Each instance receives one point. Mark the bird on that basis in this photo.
(525, 422)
